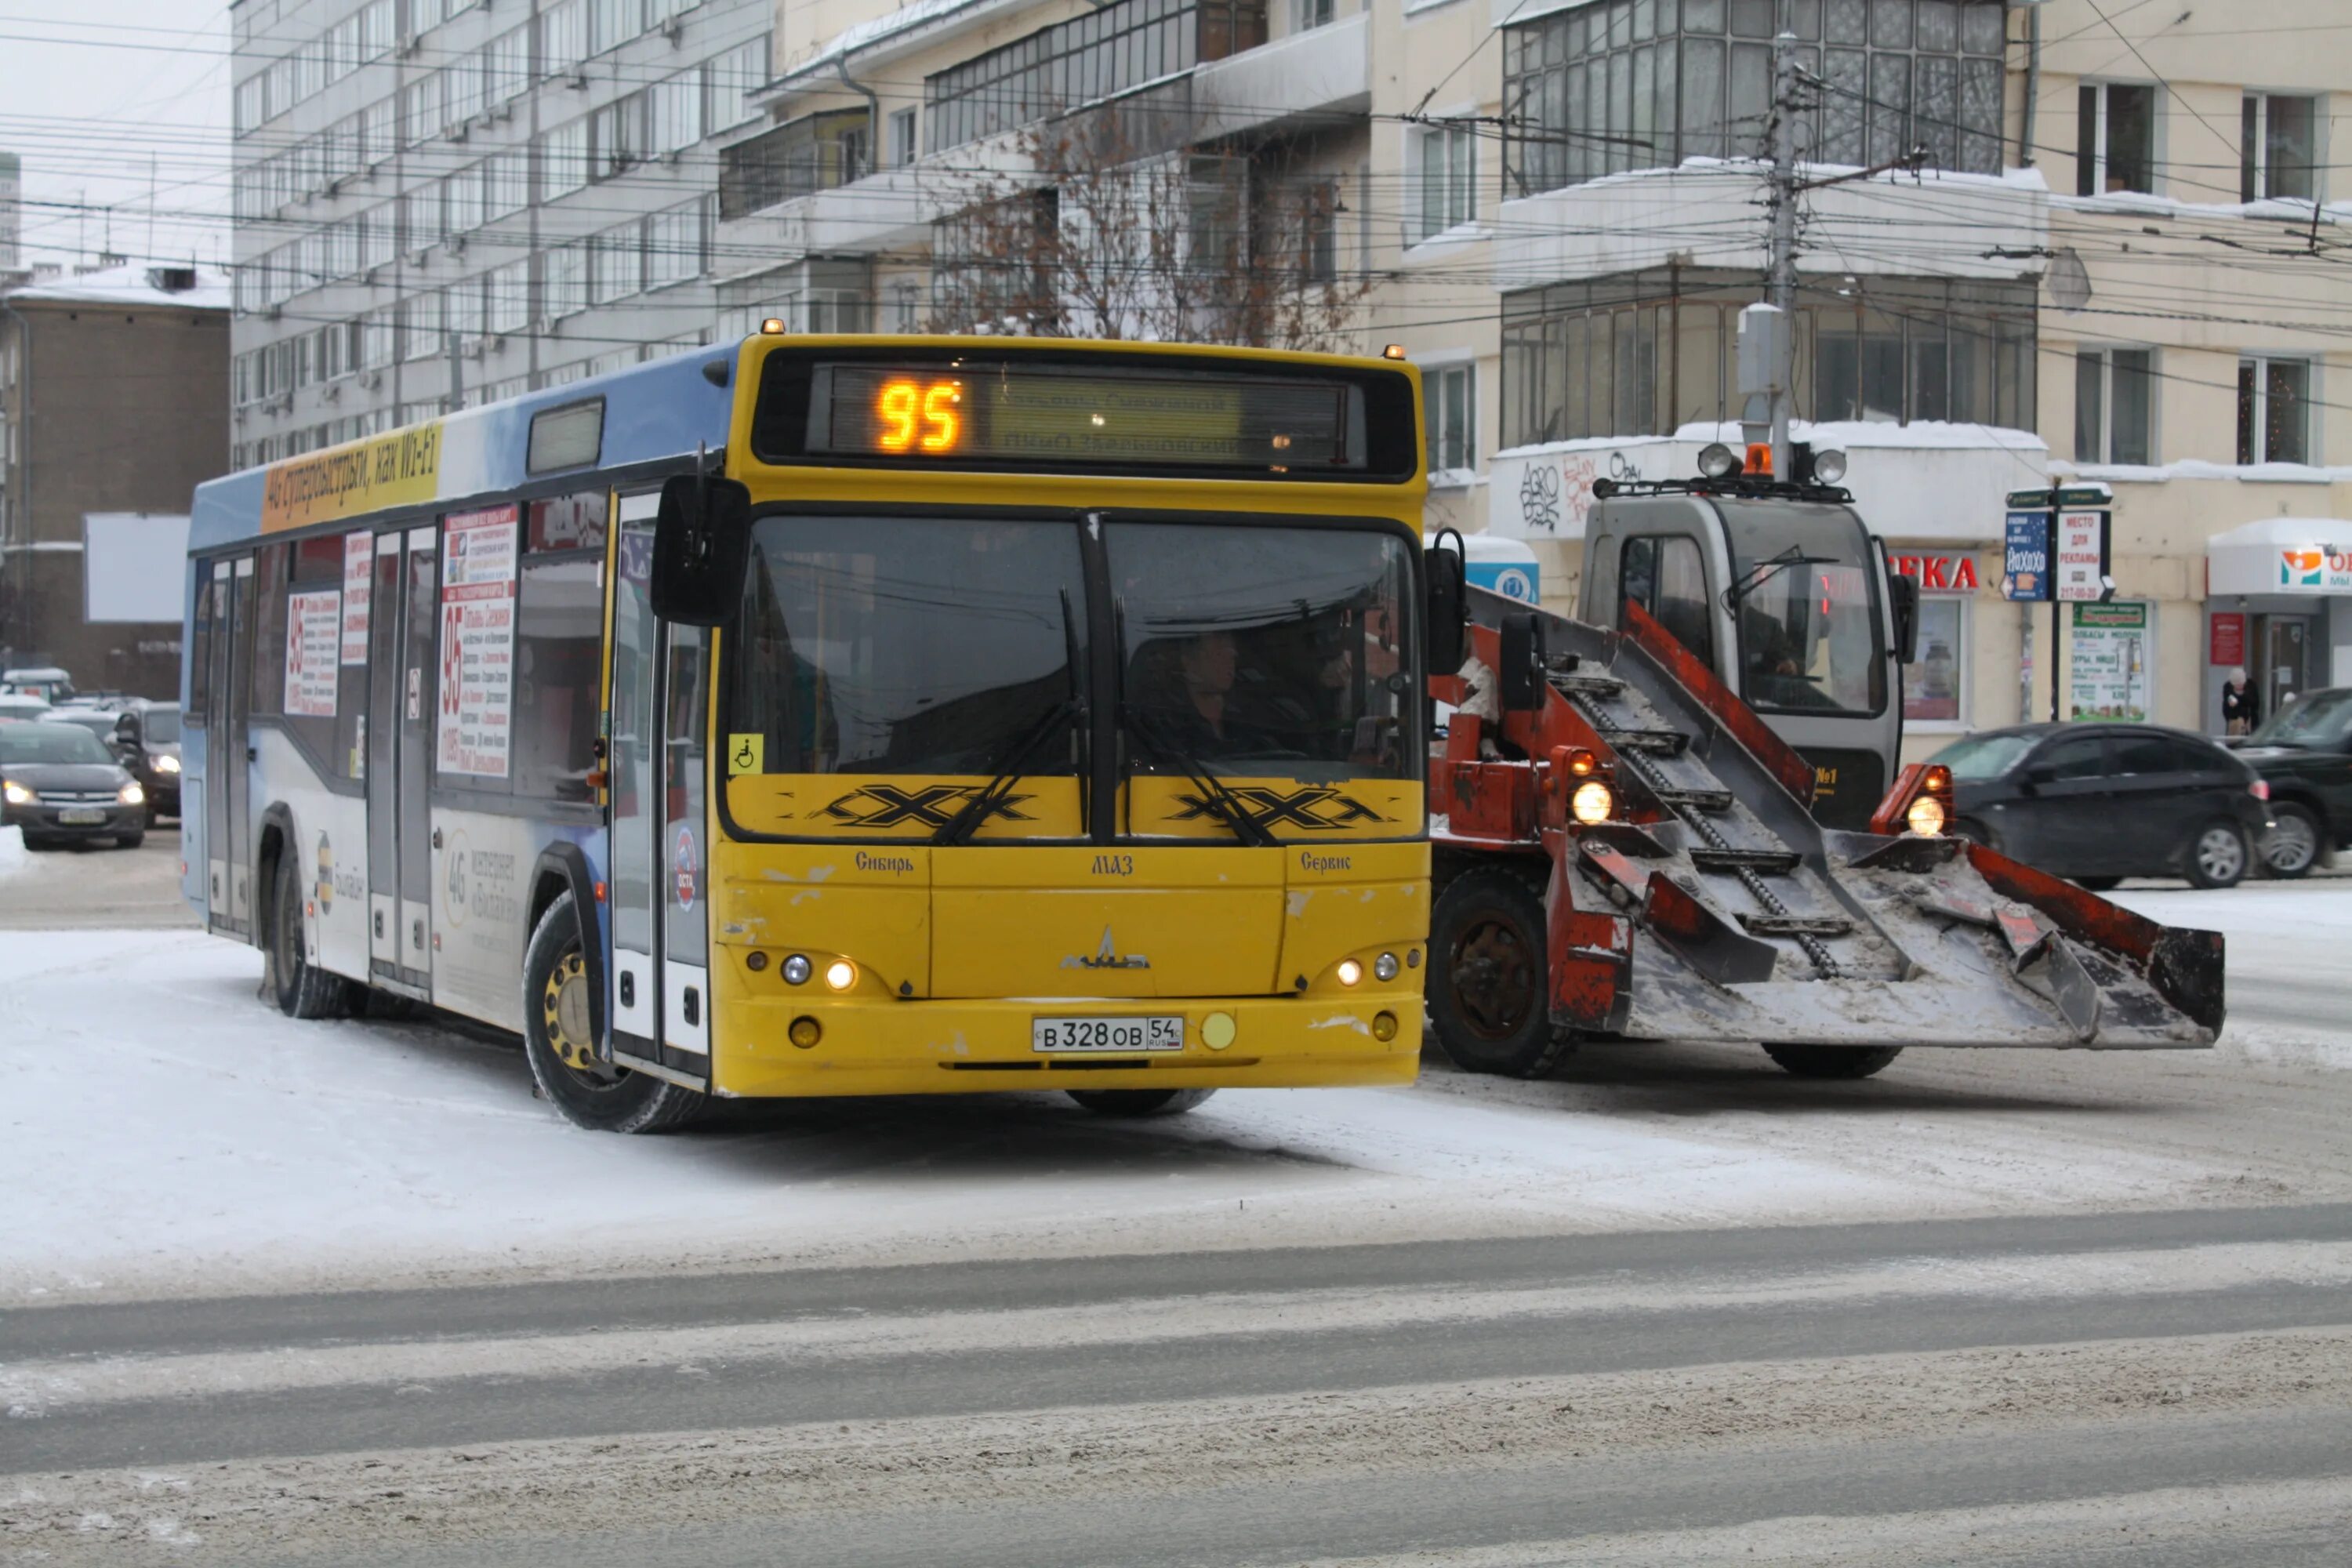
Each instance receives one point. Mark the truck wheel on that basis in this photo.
(2217, 855)
(559, 1041)
(2292, 846)
(1832, 1061)
(1489, 985)
(302, 990)
(1140, 1101)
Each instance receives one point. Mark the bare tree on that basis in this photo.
(1113, 226)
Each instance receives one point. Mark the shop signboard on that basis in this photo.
(2107, 665)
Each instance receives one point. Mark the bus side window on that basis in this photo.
(200, 647)
(559, 646)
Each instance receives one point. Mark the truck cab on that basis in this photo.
(1783, 593)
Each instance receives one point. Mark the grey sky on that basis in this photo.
(140, 92)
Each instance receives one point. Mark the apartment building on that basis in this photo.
(443, 202)
(2193, 324)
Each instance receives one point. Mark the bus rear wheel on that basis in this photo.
(1140, 1101)
(559, 1041)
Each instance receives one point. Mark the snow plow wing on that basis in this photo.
(1708, 904)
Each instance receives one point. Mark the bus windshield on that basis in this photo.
(959, 646)
(1805, 600)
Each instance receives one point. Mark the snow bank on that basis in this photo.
(2286, 941)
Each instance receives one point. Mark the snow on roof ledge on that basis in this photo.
(130, 286)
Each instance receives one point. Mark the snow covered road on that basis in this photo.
(182, 1137)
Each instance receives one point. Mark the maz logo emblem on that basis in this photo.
(1107, 956)
(1315, 808)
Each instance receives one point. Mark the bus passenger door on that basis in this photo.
(635, 745)
(229, 755)
(420, 623)
(383, 727)
(685, 932)
(219, 746)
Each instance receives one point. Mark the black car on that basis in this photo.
(147, 737)
(2101, 801)
(60, 782)
(2304, 754)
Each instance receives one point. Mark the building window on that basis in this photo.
(507, 71)
(616, 263)
(2115, 405)
(507, 297)
(902, 137)
(420, 326)
(564, 281)
(2115, 138)
(673, 108)
(1305, 15)
(563, 37)
(674, 245)
(563, 160)
(906, 308)
(732, 77)
(1445, 179)
(2275, 149)
(814, 152)
(619, 138)
(1642, 353)
(420, 110)
(2274, 423)
(1935, 684)
(1628, 84)
(612, 23)
(1452, 395)
(1098, 56)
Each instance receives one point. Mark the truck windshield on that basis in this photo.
(1804, 596)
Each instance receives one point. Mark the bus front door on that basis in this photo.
(384, 731)
(229, 755)
(658, 879)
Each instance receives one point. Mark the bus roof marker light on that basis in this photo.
(1394, 351)
(773, 327)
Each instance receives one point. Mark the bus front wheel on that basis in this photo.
(301, 988)
(1140, 1101)
(559, 1040)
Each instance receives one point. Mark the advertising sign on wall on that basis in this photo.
(2226, 639)
(477, 602)
(2081, 569)
(2025, 557)
(2107, 665)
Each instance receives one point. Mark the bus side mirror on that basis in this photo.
(1522, 674)
(1902, 597)
(1447, 612)
(702, 544)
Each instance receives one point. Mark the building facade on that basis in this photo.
(113, 403)
(440, 203)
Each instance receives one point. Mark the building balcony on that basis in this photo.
(1320, 72)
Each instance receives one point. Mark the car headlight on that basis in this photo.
(167, 764)
(132, 795)
(18, 794)
(1926, 815)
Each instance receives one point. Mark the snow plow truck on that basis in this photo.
(1677, 815)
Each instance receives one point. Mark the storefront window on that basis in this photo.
(1934, 684)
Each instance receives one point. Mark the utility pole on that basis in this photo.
(1781, 290)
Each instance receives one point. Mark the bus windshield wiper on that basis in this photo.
(1007, 771)
(1763, 572)
(1220, 799)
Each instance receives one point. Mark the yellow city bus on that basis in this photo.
(842, 716)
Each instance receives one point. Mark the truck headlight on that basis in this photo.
(1926, 815)
(1593, 801)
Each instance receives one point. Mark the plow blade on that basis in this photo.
(1746, 919)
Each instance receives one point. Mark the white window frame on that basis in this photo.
(2105, 354)
(1438, 371)
(2262, 143)
(1306, 15)
(2099, 137)
(903, 126)
(1460, 188)
(2261, 364)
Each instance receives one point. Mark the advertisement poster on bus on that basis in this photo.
(312, 625)
(2107, 662)
(359, 562)
(478, 601)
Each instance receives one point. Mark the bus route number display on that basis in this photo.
(1002, 415)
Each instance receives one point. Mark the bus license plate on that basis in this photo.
(75, 818)
(1158, 1033)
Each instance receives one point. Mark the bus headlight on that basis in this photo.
(1593, 801)
(840, 974)
(1349, 972)
(797, 969)
(1384, 967)
(1926, 815)
(132, 795)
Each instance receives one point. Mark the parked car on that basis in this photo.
(60, 782)
(2303, 751)
(147, 737)
(2101, 801)
(16, 707)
